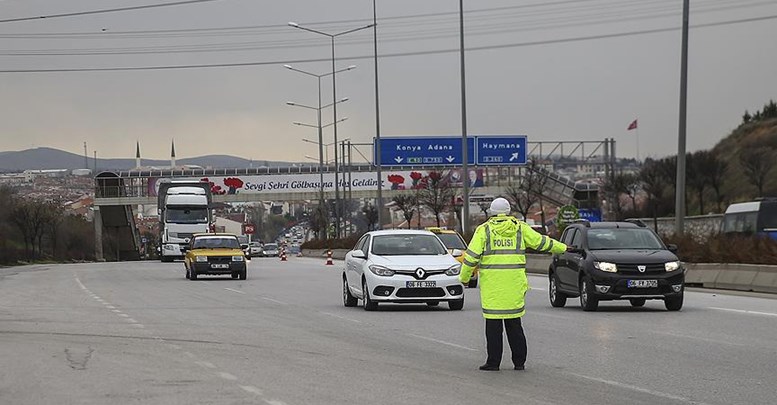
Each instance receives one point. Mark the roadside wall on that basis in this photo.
(700, 227)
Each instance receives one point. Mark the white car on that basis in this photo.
(401, 266)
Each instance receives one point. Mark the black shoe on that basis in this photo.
(521, 368)
(487, 367)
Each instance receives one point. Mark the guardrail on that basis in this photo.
(730, 276)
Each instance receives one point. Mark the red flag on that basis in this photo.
(633, 125)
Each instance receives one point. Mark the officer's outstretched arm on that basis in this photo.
(472, 255)
(540, 242)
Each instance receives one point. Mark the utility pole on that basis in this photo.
(465, 174)
(679, 207)
(86, 159)
(377, 115)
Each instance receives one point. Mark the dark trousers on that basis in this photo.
(515, 337)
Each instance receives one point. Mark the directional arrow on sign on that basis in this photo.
(450, 159)
(398, 159)
(514, 156)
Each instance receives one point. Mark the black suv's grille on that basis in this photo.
(420, 292)
(219, 259)
(633, 269)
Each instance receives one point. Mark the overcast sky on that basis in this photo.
(575, 90)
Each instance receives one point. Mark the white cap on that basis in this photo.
(499, 206)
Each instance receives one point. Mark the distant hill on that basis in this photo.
(49, 158)
(760, 135)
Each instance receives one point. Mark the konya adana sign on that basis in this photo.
(311, 182)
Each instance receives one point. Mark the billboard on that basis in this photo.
(311, 182)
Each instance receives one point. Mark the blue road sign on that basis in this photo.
(501, 150)
(423, 151)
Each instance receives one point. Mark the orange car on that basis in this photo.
(452, 240)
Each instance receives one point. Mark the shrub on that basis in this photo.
(726, 249)
(344, 243)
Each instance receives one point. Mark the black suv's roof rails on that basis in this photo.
(636, 221)
(585, 222)
(767, 198)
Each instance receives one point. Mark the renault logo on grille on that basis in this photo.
(641, 268)
(420, 273)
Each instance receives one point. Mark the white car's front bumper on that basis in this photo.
(396, 289)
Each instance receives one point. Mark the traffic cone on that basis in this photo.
(283, 255)
(329, 261)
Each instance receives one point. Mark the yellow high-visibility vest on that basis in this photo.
(498, 251)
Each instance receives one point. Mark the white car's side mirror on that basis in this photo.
(457, 252)
(359, 254)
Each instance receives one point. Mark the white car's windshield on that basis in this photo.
(622, 238)
(400, 245)
(270, 246)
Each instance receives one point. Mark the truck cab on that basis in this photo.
(185, 212)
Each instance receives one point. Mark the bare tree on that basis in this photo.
(408, 204)
(529, 190)
(757, 164)
(653, 185)
(716, 174)
(370, 215)
(437, 196)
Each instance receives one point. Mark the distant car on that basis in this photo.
(453, 240)
(615, 261)
(255, 249)
(270, 250)
(214, 253)
(401, 266)
(294, 249)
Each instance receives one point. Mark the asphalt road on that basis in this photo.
(120, 333)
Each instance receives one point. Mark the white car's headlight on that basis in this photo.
(453, 270)
(237, 258)
(672, 266)
(605, 266)
(201, 258)
(381, 271)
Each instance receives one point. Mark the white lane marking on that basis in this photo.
(237, 291)
(638, 389)
(130, 320)
(116, 311)
(444, 342)
(138, 325)
(227, 376)
(124, 315)
(742, 311)
(206, 364)
(342, 317)
(252, 390)
(720, 342)
(274, 402)
(110, 307)
(538, 289)
(272, 300)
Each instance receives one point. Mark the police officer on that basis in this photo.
(497, 250)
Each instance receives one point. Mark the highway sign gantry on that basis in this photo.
(501, 150)
(483, 150)
(424, 151)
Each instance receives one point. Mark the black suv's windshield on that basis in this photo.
(400, 245)
(215, 242)
(622, 238)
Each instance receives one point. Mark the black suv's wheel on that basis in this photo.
(588, 300)
(348, 299)
(557, 298)
(369, 304)
(637, 302)
(456, 305)
(674, 303)
(235, 276)
(243, 274)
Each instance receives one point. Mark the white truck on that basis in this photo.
(184, 208)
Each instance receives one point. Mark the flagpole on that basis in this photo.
(637, 128)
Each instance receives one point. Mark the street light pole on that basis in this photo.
(334, 104)
(377, 115)
(464, 152)
(679, 207)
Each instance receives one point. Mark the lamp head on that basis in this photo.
(293, 24)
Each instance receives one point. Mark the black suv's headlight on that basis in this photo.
(606, 266)
(672, 266)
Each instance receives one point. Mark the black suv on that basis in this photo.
(615, 261)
